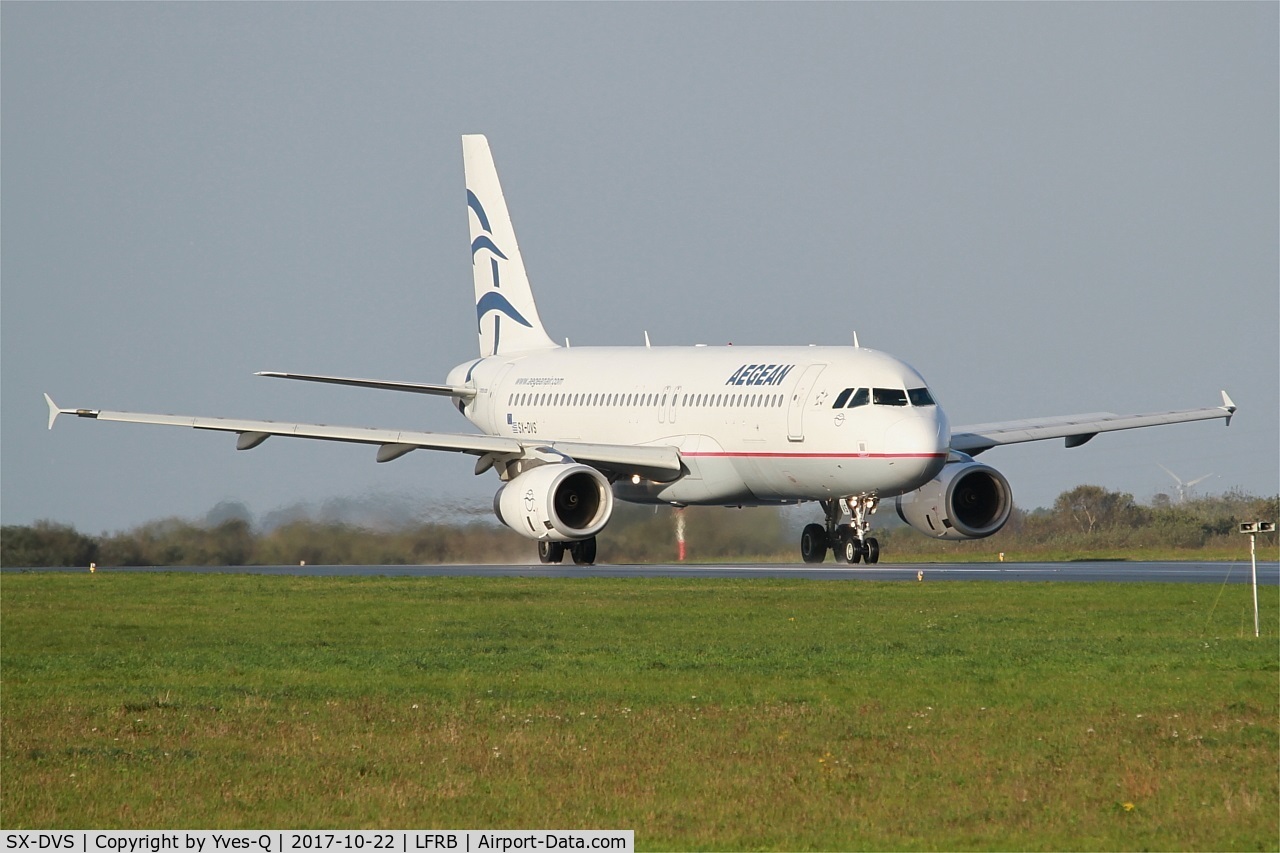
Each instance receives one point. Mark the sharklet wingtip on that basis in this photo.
(1229, 405)
(54, 411)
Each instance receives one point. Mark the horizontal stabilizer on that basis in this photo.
(413, 387)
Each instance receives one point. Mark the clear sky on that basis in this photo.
(1046, 208)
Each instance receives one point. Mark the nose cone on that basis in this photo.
(920, 442)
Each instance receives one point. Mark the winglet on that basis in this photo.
(54, 411)
(1229, 406)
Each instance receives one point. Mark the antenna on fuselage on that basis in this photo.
(647, 345)
(855, 341)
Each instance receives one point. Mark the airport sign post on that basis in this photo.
(1253, 528)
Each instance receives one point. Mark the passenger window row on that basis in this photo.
(849, 398)
(614, 400)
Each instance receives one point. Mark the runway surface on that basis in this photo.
(1081, 572)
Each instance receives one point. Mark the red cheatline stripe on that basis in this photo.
(753, 455)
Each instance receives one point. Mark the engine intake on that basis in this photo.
(968, 500)
(557, 502)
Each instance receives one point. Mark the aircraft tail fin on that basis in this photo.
(506, 315)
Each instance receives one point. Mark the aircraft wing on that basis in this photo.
(1076, 429)
(660, 463)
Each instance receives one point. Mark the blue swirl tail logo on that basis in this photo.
(495, 301)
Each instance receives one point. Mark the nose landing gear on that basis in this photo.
(848, 542)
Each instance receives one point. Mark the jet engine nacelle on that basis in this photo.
(968, 500)
(558, 502)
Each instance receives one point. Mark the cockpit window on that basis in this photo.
(852, 398)
(920, 397)
(889, 396)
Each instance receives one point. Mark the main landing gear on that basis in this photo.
(848, 542)
(583, 551)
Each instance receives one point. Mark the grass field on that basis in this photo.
(702, 714)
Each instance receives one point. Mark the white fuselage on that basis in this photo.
(753, 425)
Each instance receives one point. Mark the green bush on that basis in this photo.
(46, 544)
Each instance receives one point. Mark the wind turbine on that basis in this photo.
(1183, 488)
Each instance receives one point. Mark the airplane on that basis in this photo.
(569, 429)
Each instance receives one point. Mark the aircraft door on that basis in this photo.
(799, 397)
(489, 410)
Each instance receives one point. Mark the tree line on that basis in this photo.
(1093, 521)
(1085, 521)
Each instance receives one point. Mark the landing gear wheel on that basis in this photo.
(813, 543)
(550, 552)
(584, 552)
(848, 548)
(873, 550)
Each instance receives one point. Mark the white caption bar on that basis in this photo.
(299, 841)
